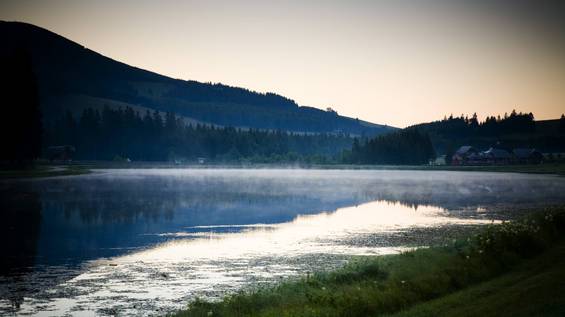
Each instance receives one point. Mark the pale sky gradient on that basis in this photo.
(393, 62)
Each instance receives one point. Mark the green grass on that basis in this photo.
(44, 171)
(546, 168)
(536, 288)
(429, 281)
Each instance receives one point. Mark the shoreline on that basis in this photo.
(85, 167)
(490, 267)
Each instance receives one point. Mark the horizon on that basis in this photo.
(488, 58)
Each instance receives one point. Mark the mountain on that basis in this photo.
(73, 77)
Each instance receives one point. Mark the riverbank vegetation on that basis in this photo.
(76, 168)
(557, 168)
(427, 282)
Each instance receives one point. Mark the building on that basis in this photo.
(497, 156)
(461, 156)
(467, 155)
(527, 156)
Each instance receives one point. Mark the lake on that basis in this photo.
(147, 241)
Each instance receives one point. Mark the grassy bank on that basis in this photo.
(80, 167)
(535, 288)
(427, 282)
(546, 168)
(44, 171)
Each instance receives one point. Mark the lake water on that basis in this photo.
(145, 242)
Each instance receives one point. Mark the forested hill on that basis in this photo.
(514, 130)
(73, 77)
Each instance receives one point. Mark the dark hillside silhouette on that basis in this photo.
(65, 68)
(20, 122)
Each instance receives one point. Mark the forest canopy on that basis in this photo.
(156, 136)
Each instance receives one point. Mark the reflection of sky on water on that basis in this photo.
(136, 240)
(304, 235)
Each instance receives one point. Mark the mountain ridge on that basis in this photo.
(66, 68)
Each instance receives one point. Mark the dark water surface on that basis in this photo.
(144, 242)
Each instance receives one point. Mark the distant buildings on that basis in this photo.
(463, 154)
(495, 156)
(468, 155)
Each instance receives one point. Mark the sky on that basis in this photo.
(394, 62)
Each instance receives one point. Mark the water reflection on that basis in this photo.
(19, 232)
(118, 240)
(306, 234)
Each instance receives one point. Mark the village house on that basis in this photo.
(462, 154)
(467, 155)
(494, 156)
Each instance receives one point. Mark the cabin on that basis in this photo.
(462, 154)
(497, 156)
(60, 153)
(476, 159)
(467, 155)
(527, 156)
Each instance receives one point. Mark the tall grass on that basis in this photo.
(388, 284)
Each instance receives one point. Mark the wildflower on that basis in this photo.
(210, 313)
(467, 257)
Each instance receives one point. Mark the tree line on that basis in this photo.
(404, 147)
(514, 130)
(155, 136)
(515, 122)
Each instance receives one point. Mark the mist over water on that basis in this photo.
(147, 241)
